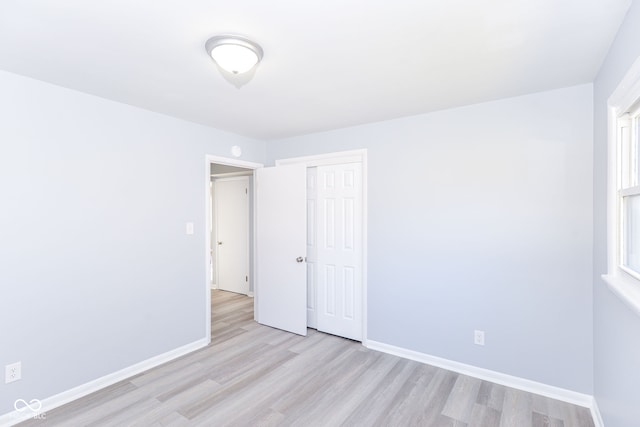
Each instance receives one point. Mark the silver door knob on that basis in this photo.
(299, 259)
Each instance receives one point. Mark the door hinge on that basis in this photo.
(246, 278)
(246, 191)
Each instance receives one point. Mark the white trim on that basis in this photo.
(342, 157)
(523, 384)
(75, 393)
(229, 175)
(621, 100)
(630, 191)
(232, 162)
(209, 159)
(612, 198)
(596, 415)
(626, 94)
(352, 156)
(250, 294)
(632, 273)
(626, 289)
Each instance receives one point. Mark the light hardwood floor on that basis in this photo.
(253, 375)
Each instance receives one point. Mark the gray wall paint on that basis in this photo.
(616, 327)
(96, 271)
(481, 218)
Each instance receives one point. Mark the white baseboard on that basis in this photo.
(250, 294)
(214, 286)
(553, 392)
(65, 397)
(596, 415)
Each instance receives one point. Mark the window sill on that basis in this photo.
(625, 288)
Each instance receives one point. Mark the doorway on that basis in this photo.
(237, 176)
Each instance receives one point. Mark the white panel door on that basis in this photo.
(339, 250)
(231, 216)
(281, 226)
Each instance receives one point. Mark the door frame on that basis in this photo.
(209, 160)
(336, 158)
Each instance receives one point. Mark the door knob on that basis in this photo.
(219, 243)
(299, 259)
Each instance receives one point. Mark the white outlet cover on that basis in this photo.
(12, 372)
(189, 228)
(478, 337)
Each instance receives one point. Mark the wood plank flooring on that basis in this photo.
(253, 375)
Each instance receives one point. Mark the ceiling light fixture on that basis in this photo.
(234, 54)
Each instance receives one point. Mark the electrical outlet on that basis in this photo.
(12, 372)
(478, 337)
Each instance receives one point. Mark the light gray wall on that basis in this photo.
(616, 327)
(96, 271)
(481, 218)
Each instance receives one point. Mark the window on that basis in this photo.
(628, 193)
(623, 232)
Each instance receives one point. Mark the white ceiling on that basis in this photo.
(327, 63)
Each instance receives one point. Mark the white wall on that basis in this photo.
(481, 218)
(616, 327)
(96, 271)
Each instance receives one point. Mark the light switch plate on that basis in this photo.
(12, 372)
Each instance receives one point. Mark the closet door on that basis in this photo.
(338, 265)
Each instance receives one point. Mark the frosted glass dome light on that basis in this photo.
(234, 54)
